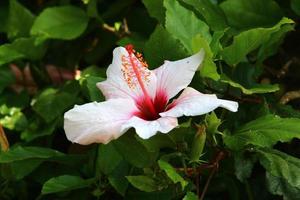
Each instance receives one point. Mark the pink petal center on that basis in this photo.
(145, 107)
(134, 73)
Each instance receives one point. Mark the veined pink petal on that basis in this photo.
(98, 122)
(172, 77)
(146, 129)
(122, 80)
(192, 103)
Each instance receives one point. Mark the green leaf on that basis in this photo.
(172, 174)
(156, 9)
(255, 89)
(64, 22)
(215, 43)
(286, 111)
(118, 177)
(4, 12)
(280, 186)
(143, 183)
(92, 9)
(295, 5)
(22, 168)
(270, 46)
(6, 77)
(245, 14)
(52, 103)
(167, 194)
(65, 183)
(19, 49)
(22, 153)
(243, 165)
(12, 118)
(28, 48)
(157, 142)
(133, 151)
(20, 20)
(34, 130)
(162, 46)
(108, 158)
(249, 40)
(190, 196)
(119, 184)
(184, 25)
(281, 165)
(8, 54)
(94, 92)
(264, 132)
(208, 68)
(212, 13)
(137, 40)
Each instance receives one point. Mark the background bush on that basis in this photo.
(252, 56)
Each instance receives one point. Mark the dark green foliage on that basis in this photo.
(251, 56)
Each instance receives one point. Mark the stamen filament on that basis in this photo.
(148, 99)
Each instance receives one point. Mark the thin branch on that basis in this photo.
(250, 100)
(208, 182)
(109, 28)
(195, 172)
(289, 96)
(198, 185)
(125, 27)
(282, 72)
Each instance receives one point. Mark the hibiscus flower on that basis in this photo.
(139, 98)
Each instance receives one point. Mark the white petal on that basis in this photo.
(172, 77)
(98, 122)
(117, 87)
(192, 103)
(146, 129)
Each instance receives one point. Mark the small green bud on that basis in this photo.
(212, 123)
(198, 143)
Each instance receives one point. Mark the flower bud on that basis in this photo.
(198, 143)
(212, 123)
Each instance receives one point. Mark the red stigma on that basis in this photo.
(129, 48)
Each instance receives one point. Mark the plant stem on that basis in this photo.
(249, 191)
(207, 183)
(198, 184)
(184, 165)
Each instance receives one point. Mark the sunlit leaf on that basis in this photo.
(211, 12)
(184, 25)
(208, 67)
(190, 196)
(249, 40)
(172, 174)
(65, 22)
(255, 89)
